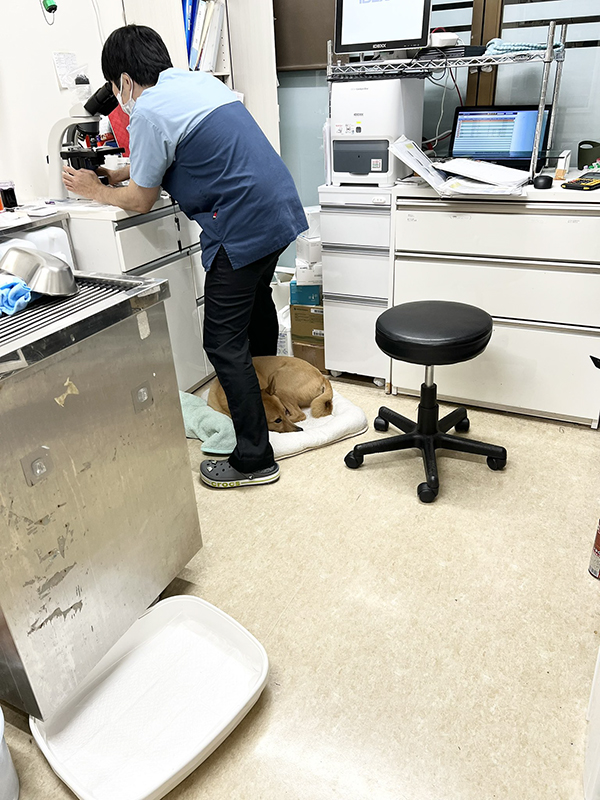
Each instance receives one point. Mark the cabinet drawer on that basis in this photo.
(147, 242)
(358, 228)
(184, 324)
(188, 229)
(350, 339)
(528, 291)
(199, 274)
(362, 274)
(532, 369)
(515, 231)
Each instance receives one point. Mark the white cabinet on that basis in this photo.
(553, 231)
(142, 240)
(356, 272)
(350, 336)
(531, 368)
(358, 227)
(568, 294)
(534, 267)
(164, 244)
(355, 230)
(185, 323)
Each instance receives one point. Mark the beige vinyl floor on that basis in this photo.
(418, 652)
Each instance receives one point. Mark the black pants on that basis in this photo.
(241, 322)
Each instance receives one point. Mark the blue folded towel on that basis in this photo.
(15, 295)
(214, 429)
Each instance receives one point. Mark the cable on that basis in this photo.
(99, 21)
(124, 12)
(47, 16)
(439, 138)
(437, 129)
(456, 86)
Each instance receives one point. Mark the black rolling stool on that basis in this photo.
(430, 333)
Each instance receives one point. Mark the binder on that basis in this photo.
(189, 14)
(212, 43)
(199, 31)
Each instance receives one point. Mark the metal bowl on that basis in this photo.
(42, 272)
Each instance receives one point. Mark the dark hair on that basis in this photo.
(137, 50)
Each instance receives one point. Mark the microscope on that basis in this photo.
(68, 139)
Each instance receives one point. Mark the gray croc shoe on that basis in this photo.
(221, 475)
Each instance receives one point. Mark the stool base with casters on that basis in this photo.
(429, 434)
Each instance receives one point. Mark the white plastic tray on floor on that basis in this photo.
(157, 705)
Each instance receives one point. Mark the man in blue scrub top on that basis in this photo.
(190, 134)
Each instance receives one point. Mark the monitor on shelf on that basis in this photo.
(501, 134)
(365, 26)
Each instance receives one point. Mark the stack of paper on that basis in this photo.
(460, 175)
(206, 36)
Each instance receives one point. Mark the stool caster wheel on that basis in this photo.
(462, 426)
(496, 463)
(353, 461)
(381, 424)
(426, 494)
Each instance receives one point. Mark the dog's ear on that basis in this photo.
(271, 387)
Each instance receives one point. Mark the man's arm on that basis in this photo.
(85, 183)
(115, 176)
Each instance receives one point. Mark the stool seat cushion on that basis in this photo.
(433, 332)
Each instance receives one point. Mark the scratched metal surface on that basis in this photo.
(88, 548)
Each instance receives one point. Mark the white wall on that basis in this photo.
(166, 17)
(31, 100)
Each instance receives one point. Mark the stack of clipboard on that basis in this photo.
(204, 27)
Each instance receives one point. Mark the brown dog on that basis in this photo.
(287, 385)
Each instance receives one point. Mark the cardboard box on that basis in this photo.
(308, 274)
(313, 353)
(313, 215)
(304, 295)
(307, 324)
(308, 249)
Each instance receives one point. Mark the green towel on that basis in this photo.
(215, 430)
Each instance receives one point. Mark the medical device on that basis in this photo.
(70, 137)
(366, 117)
(376, 25)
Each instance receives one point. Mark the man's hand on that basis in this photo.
(131, 197)
(82, 182)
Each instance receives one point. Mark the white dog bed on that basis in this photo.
(347, 420)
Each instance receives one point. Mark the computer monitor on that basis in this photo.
(372, 25)
(501, 134)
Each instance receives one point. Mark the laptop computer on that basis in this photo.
(500, 134)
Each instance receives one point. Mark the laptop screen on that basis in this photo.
(495, 133)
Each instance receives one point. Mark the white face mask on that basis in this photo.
(130, 104)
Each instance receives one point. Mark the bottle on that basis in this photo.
(7, 194)
(594, 568)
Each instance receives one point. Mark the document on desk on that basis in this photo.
(412, 155)
(456, 185)
(446, 184)
(485, 172)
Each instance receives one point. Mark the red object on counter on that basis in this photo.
(119, 122)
